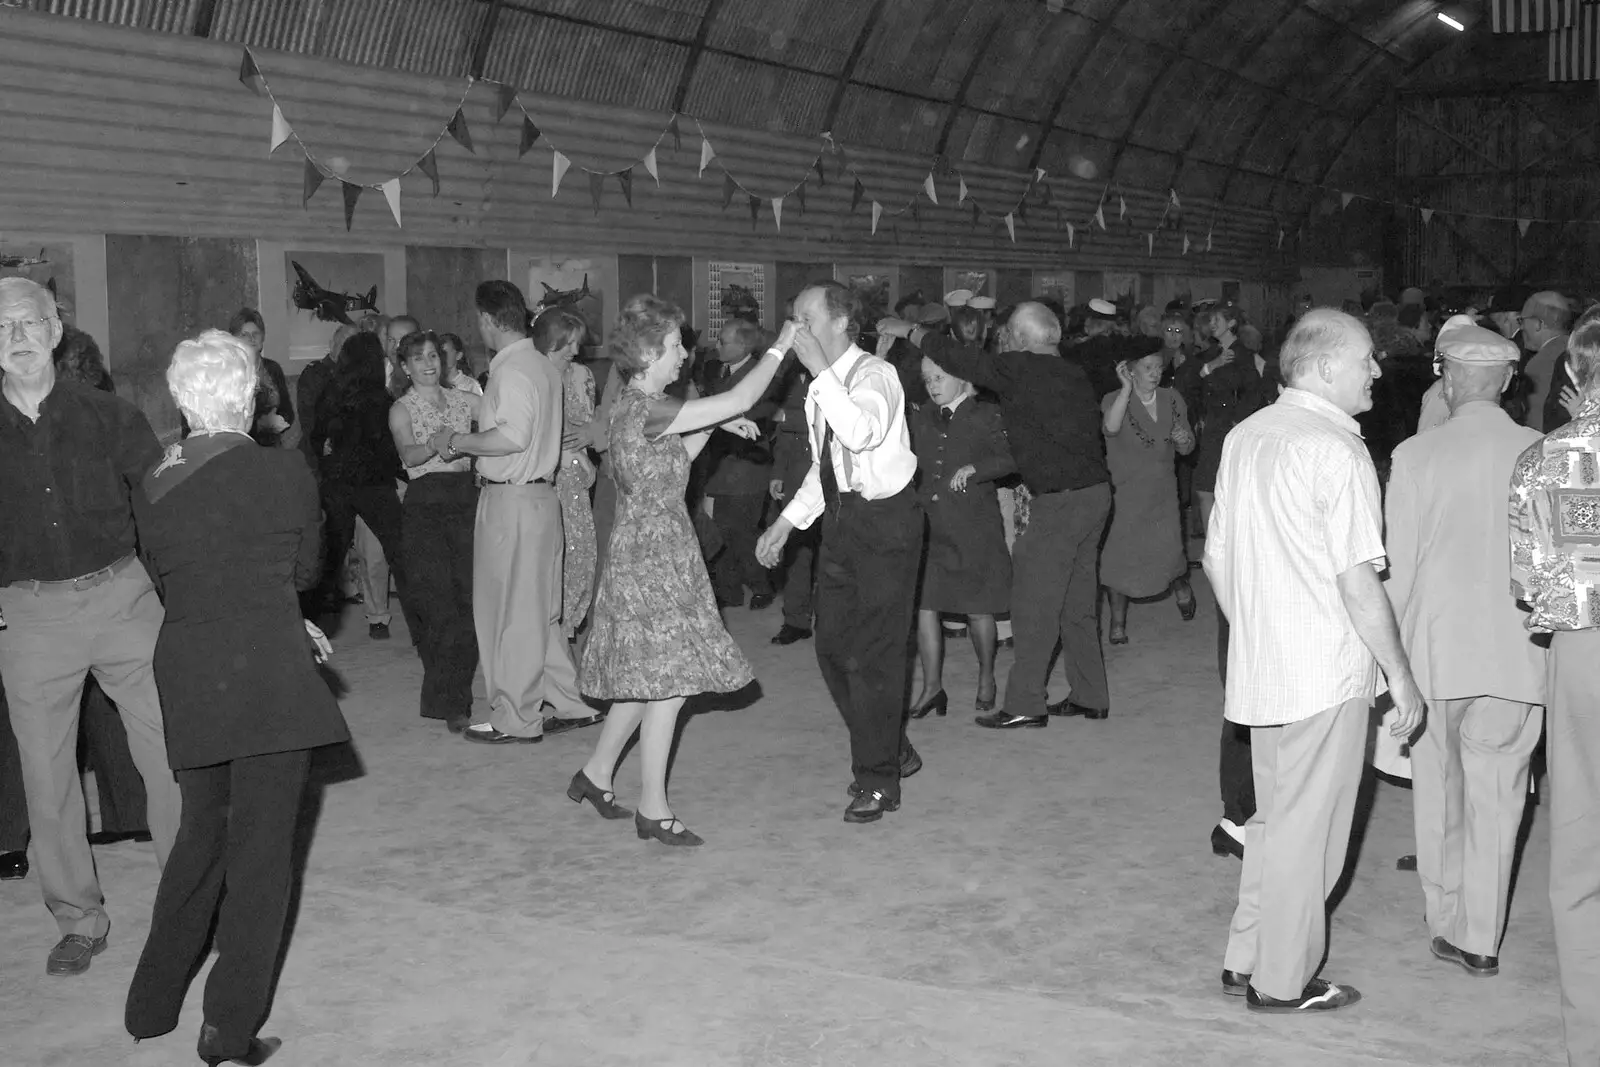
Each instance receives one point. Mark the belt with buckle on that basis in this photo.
(78, 584)
(480, 481)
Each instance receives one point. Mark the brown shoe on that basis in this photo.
(74, 953)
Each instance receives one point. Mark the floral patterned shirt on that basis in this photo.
(1555, 525)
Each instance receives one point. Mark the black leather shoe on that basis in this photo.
(1407, 862)
(378, 631)
(457, 723)
(604, 800)
(762, 601)
(1224, 844)
(554, 725)
(1473, 964)
(490, 736)
(1068, 707)
(662, 830)
(869, 807)
(13, 866)
(788, 635)
(1235, 983)
(1319, 995)
(74, 953)
(910, 761)
(259, 1050)
(939, 703)
(1001, 720)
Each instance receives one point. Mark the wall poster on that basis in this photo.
(1058, 284)
(576, 282)
(877, 287)
(75, 267)
(979, 280)
(1121, 284)
(734, 291)
(309, 290)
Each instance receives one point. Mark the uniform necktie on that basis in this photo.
(946, 414)
(830, 481)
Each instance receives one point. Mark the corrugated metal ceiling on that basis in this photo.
(1151, 92)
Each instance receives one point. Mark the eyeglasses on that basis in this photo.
(9, 327)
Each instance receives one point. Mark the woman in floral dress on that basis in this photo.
(656, 637)
(573, 480)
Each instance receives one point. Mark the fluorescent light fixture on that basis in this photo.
(1452, 23)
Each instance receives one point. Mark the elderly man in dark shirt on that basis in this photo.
(1052, 418)
(75, 599)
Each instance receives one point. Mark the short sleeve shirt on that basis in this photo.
(523, 401)
(1297, 504)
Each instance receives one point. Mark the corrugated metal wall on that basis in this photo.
(114, 130)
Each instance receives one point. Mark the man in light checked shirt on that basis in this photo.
(1293, 552)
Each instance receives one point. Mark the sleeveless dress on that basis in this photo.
(1144, 551)
(656, 632)
(427, 420)
(573, 479)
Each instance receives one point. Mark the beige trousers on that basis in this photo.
(517, 547)
(54, 638)
(1469, 781)
(1573, 747)
(374, 573)
(1306, 777)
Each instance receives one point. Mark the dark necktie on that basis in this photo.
(830, 481)
(946, 414)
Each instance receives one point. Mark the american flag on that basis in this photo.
(1532, 16)
(1575, 51)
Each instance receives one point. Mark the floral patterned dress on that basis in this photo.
(656, 632)
(573, 480)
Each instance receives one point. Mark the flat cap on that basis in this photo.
(1464, 341)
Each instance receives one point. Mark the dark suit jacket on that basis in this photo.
(734, 466)
(228, 546)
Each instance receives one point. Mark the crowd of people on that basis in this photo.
(952, 466)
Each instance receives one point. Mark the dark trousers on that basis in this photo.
(1235, 775)
(235, 843)
(13, 801)
(738, 519)
(798, 572)
(379, 508)
(1055, 589)
(866, 596)
(436, 539)
(117, 782)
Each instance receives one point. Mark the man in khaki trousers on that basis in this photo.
(1450, 583)
(517, 544)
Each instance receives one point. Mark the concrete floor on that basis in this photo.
(1045, 897)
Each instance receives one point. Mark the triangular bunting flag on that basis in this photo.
(1185, 244)
(391, 193)
(1011, 228)
(280, 128)
(961, 190)
(856, 195)
(352, 193)
(877, 213)
(1100, 216)
(677, 135)
(457, 128)
(1038, 174)
(728, 186)
(1522, 226)
(1122, 207)
(597, 188)
(650, 166)
(800, 195)
(311, 182)
(1173, 199)
(927, 187)
(1071, 235)
(530, 136)
(249, 73)
(755, 210)
(429, 165)
(1150, 238)
(505, 96)
(1280, 236)
(822, 177)
(1208, 240)
(558, 170)
(777, 211)
(706, 156)
(1345, 198)
(1427, 215)
(625, 179)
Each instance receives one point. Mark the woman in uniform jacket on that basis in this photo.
(230, 532)
(961, 450)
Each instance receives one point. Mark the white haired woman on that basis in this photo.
(230, 531)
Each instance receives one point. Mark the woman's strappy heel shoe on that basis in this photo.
(604, 801)
(661, 830)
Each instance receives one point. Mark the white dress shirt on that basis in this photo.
(1297, 505)
(869, 423)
